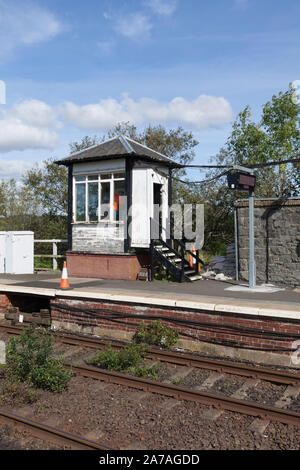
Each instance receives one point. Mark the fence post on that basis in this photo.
(54, 265)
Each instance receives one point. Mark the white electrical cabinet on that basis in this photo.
(3, 236)
(16, 252)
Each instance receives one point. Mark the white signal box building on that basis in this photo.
(113, 188)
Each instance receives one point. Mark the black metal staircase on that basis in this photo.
(172, 254)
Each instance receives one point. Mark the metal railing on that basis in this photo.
(175, 246)
(54, 255)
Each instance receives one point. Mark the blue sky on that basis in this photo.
(74, 68)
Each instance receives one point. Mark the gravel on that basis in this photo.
(120, 417)
(227, 385)
(195, 378)
(266, 393)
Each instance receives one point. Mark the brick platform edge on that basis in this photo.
(105, 266)
(263, 340)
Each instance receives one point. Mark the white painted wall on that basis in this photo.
(140, 210)
(93, 237)
(142, 203)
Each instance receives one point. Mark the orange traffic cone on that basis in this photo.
(192, 259)
(64, 283)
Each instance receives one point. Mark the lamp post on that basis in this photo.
(242, 179)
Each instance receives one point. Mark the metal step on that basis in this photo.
(197, 277)
(172, 262)
(189, 271)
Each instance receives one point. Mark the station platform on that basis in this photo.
(204, 294)
(242, 324)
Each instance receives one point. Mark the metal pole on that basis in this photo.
(236, 241)
(252, 266)
(54, 251)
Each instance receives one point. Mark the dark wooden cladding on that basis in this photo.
(70, 206)
(128, 190)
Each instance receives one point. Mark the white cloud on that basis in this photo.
(27, 125)
(162, 7)
(205, 111)
(133, 26)
(24, 23)
(33, 124)
(15, 135)
(14, 168)
(34, 113)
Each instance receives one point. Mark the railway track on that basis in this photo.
(221, 402)
(49, 433)
(189, 360)
(182, 393)
(183, 359)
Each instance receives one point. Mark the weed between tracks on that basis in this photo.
(131, 359)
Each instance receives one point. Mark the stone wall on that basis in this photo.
(277, 240)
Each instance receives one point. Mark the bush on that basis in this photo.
(156, 334)
(30, 358)
(142, 370)
(119, 360)
(129, 359)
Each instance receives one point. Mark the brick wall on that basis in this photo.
(105, 266)
(226, 329)
(277, 240)
(4, 305)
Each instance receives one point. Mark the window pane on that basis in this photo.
(93, 178)
(119, 191)
(93, 202)
(105, 176)
(105, 200)
(119, 175)
(80, 203)
(79, 178)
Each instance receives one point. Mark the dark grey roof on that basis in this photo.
(117, 147)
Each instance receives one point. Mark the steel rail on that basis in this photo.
(49, 433)
(174, 391)
(183, 359)
(189, 360)
(181, 393)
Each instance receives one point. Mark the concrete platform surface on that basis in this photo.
(203, 294)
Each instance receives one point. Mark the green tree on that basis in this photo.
(48, 184)
(276, 137)
(85, 142)
(176, 144)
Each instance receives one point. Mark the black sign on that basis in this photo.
(241, 181)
